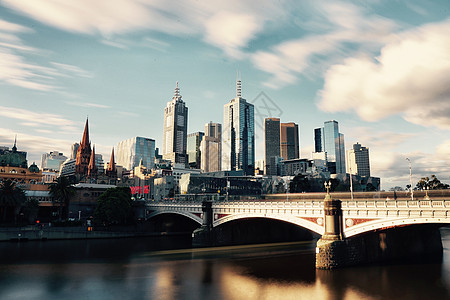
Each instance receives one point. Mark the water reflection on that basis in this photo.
(145, 269)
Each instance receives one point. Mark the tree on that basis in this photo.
(114, 206)
(62, 190)
(11, 199)
(432, 183)
(30, 210)
(299, 184)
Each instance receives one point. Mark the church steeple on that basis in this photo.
(111, 170)
(92, 168)
(85, 139)
(83, 153)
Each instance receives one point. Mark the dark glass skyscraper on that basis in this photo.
(329, 140)
(271, 144)
(289, 141)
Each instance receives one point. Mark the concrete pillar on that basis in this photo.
(331, 248)
(203, 236)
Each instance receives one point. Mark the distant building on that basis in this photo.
(211, 148)
(52, 160)
(14, 166)
(175, 129)
(329, 140)
(289, 141)
(164, 187)
(238, 146)
(358, 160)
(74, 150)
(271, 144)
(130, 152)
(68, 168)
(194, 149)
(83, 154)
(292, 167)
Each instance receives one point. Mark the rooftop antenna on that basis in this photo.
(238, 85)
(177, 92)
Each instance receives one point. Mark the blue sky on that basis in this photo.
(380, 68)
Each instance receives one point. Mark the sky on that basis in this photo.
(379, 67)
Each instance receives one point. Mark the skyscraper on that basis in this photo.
(175, 129)
(329, 140)
(193, 149)
(289, 141)
(358, 160)
(238, 147)
(52, 160)
(131, 151)
(211, 148)
(271, 144)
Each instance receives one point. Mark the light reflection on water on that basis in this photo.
(142, 269)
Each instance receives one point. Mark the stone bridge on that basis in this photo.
(359, 216)
(353, 232)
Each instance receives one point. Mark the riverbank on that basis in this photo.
(32, 233)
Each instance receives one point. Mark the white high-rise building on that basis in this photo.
(211, 148)
(238, 146)
(130, 152)
(175, 129)
(52, 161)
(358, 160)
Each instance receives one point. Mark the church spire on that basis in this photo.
(92, 168)
(111, 170)
(85, 139)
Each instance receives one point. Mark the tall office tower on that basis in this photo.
(193, 149)
(358, 160)
(271, 145)
(238, 147)
(329, 140)
(52, 160)
(289, 141)
(318, 139)
(175, 129)
(211, 148)
(213, 130)
(131, 151)
(83, 153)
(74, 150)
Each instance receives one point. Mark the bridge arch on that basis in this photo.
(285, 218)
(391, 223)
(191, 216)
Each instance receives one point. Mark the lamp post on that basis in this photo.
(410, 179)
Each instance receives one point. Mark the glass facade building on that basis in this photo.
(130, 152)
(238, 146)
(289, 141)
(329, 140)
(271, 144)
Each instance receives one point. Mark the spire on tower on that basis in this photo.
(238, 85)
(177, 93)
(14, 148)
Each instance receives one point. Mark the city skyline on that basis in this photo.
(378, 68)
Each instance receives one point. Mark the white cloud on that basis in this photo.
(228, 25)
(409, 78)
(341, 23)
(35, 118)
(88, 104)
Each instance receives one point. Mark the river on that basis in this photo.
(165, 268)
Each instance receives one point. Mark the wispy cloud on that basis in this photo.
(36, 118)
(409, 78)
(336, 24)
(88, 104)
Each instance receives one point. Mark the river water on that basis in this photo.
(151, 268)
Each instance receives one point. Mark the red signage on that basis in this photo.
(140, 189)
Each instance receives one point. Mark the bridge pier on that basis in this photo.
(416, 243)
(204, 236)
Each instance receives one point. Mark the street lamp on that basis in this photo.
(410, 179)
